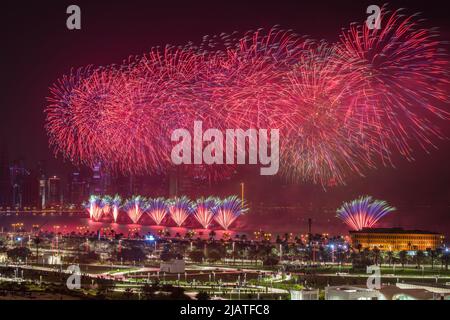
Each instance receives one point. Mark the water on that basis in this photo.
(68, 222)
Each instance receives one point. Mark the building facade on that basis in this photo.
(396, 239)
(54, 191)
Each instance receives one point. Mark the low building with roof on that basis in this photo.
(396, 239)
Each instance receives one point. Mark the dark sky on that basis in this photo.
(37, 48)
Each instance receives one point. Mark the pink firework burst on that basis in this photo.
(204, 210)
(158, 209)
(180, 208)
(228, 210)
(403, 80)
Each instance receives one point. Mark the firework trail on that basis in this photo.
(342, 108)
(116, 203)
(204, 210)
(228, 210)
(106, 205)
(323, 131)
(135, 208)
(158, 209)
(180, 208)
(94, 207)
(363, 212)
(403, 81)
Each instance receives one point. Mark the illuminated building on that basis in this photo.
(77, 188)
(30, 189)
(5, 180)
(42, 192)
(396, 239)
(54, 191)
(17, 175)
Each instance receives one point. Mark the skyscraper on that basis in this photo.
(43, 188)
(5, 180)
(30, 190)
(54, 191)
(77, 188)
(18, 174)
(100, 181)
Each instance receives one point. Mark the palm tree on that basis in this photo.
(37, 241)
(376, 255)
(433, 254)
(419, 257)
(403, 257)
(390, 256)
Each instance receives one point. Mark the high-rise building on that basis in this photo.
(18, 174)
(77, 188)
(43, 188)
(42, 192)
(182, 184)
(100, 182)
(5, 180)
(54, 191)
(30, 190)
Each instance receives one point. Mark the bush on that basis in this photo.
(196, 256)
(271, 260)
(132, 254)
(214, 256)
(19, 253)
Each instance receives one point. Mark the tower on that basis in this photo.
(5, 180)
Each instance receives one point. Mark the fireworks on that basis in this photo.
(228, 210)
(94, 207)
(116, 203)
(135, 208)
(363, 212)
(323, 134)
(402, 75)
(342, 108)
(158, 209)
(207, 211)
(106, 205)
(180, 209)
(204, 211)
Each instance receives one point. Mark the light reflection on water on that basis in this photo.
(74, 222)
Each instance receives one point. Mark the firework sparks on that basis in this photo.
(363, 212)
(135, 208)
(341, 108)
(228, 210)
(204, 210)
(116, 203)
(158, 209)
(94, 207)
(403, 81)
(180, 209)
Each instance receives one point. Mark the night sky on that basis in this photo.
(37, 49)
